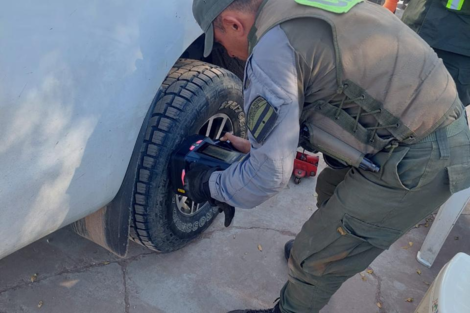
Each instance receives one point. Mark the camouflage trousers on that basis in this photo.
(361, 213)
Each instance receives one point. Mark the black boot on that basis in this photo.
(273, 310)
(287, 248)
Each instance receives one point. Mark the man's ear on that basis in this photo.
(233, 25)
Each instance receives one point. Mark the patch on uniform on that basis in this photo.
(261, 119)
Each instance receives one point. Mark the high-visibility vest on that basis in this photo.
(335, 6)
(458, 6)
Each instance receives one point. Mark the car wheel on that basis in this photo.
(195, 98)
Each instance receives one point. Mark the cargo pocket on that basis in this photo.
(397, 168)
(377, 236)
(411, 167)
(349, 249)
(459, 177)
(367, 242)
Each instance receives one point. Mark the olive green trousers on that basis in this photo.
(362, 213)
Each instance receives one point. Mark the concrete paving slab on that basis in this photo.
(221, 271)
(287, 211)
(59, 252)
(94, 289)
(38, 258)
(356, 295)
(398, 267)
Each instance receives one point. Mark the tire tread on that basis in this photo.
(185, 81)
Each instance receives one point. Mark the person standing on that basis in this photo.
(375, 98)
(445, 26)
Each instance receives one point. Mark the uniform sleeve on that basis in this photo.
(271, 74)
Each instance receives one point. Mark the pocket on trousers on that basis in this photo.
(410, 168)
(459, 177)
(378, 236)
(345, 240)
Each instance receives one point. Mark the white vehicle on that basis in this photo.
(94, 97)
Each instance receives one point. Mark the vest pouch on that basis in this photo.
(332, 146)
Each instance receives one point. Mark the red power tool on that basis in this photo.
(305, 165)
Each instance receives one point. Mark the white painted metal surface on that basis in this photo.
(443, 224)
(449, 291)
(76, 80)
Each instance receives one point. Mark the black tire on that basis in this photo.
(193, 92)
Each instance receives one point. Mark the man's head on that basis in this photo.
(228, 22)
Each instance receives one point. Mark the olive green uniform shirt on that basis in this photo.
(272, 73)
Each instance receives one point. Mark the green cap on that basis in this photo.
(205, 12)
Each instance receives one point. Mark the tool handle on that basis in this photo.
(368, 165)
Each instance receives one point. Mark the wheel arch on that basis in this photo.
(109, 227)
(218, 57)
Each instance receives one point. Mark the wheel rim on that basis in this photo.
(213, 128)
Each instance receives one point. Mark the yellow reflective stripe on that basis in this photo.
(333, 3)
(335, 6)
(455, 4)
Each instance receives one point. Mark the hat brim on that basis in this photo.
(209, 42)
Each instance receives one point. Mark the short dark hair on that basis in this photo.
(238, 5)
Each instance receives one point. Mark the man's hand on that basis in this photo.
(196, 184)
(240, 144)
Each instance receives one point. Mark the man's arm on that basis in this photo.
(271, 75)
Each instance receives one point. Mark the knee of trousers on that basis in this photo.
(337, 246)
(334, 265)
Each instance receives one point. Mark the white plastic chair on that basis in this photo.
(443, 224)
(449, 293)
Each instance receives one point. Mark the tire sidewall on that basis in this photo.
(224, 95)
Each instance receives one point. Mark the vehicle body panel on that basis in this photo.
(76, 82)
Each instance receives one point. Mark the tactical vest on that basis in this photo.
(382, 67)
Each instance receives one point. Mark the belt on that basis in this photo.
(440, 136)
(449, 131)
